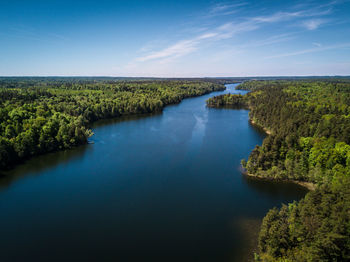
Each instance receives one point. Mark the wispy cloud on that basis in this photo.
(223, 9)
(284, 16)
(181, 48)
(230, 29)
(313, 24)
(311, 50)
(272, 40)
(184, 47)
(333, 3)
(277, 17)
(230, 51)
(312, 20)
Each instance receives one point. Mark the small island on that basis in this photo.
(228, 101)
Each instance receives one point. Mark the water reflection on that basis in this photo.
(274, 189)
(40, 164)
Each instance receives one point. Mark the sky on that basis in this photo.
(174, 38)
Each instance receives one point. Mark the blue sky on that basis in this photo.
(174, 38)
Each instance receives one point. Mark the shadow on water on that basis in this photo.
(37, 165)
(257, 128)
(247, 230)
(274, 189)
(126, 118)
(268, 194)
(275, 193)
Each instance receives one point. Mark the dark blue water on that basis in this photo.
(165, 187)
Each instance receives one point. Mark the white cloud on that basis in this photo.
(272, 40)
(178, 49)
(206, 36)
(313, 24)
(276, 17)
(225, 9)
(284, 16)
(317, 44)
(230, 29)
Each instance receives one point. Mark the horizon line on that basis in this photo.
(166, 77)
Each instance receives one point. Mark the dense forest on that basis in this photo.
(309, 124)
(40, 115)
(229, 101)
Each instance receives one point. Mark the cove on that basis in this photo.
(164, 187)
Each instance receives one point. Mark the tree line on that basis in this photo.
(40, 115)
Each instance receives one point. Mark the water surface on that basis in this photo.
(165, 187)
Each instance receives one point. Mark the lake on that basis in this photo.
(162, 187)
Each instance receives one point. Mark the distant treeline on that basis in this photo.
(309, 122)
(39, 115)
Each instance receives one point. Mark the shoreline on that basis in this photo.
(267, 131)
(310, 186)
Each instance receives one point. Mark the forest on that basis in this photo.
(309, 141)
(228, 101)
(40, 115)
